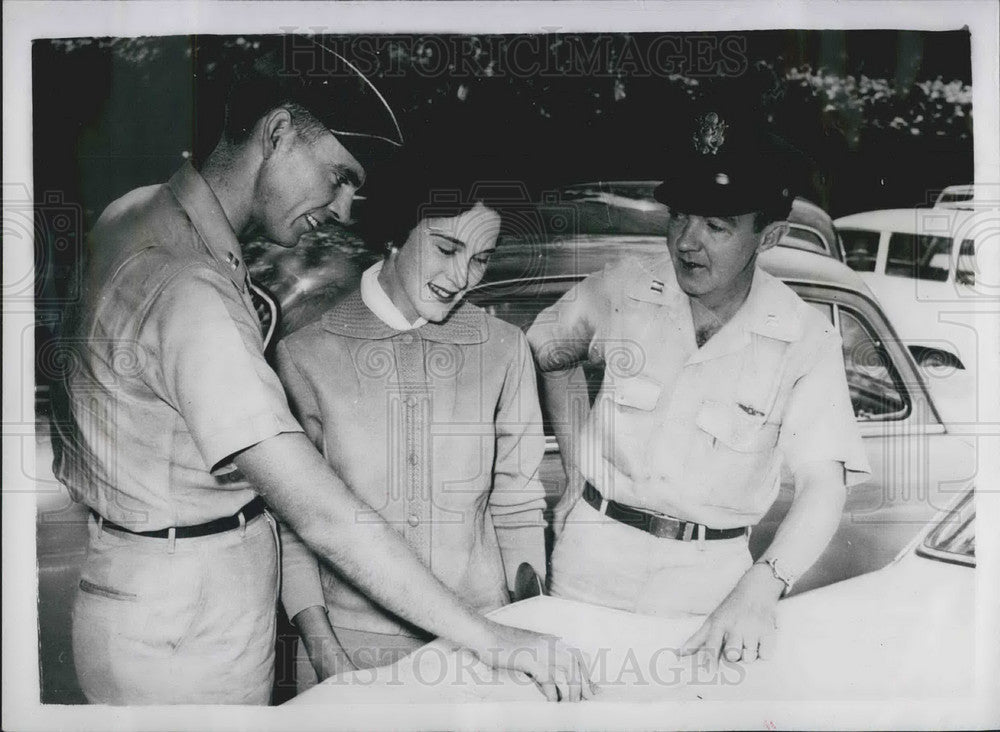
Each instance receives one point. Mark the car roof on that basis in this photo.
(906, 220)
(645, 187)
(591, 253)
(787, 263)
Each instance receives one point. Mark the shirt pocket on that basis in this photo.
(735, 466)
(639, 392)
(735, 428)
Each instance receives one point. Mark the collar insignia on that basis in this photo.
(710, 134)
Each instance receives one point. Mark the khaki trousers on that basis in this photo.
(602, 561)
(190, 621)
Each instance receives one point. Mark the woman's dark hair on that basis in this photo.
(435, 181)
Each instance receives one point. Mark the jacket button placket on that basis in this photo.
(416, 401)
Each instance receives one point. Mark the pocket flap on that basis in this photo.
(639, 392)
(740, 431)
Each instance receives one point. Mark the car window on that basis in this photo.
(954, 538)
(519, 303)
(871, 378)
(875, 385)
(965, 268)
(918, 256)
(799, 237)
(954, 195)
(825, 308)
(861, 247)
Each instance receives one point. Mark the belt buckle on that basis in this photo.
(662, 526)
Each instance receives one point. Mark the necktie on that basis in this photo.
(266, 307)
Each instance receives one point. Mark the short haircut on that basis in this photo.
(258, 89)
(438, 181)
(778, 212)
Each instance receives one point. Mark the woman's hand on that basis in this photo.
(327, 656)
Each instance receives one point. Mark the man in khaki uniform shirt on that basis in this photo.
(171, 422)
(714, 374)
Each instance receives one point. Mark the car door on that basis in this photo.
(916, 465)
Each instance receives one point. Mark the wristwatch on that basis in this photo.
(786, 577)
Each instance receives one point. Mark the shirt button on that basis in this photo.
(413, 520)
(410, 400)
(406, 339)
(412, 458)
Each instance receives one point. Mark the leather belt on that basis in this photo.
(664, 527)
(250, 511)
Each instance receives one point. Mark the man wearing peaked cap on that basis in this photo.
(173, 429)
(716, 375)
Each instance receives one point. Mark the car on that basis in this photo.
(955, 196)
(930, 268)
(906, 631)
(628, 207)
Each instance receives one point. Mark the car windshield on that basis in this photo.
(954, 538)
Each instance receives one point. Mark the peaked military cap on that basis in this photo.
(306, 72)
(726, 164)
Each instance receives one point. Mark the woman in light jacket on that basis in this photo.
(428, 409)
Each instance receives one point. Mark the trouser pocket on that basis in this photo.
(110, 593)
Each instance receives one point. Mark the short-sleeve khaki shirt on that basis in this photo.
(165, 376)
(701, 433)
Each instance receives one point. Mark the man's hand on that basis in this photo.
(559, 670)
(742, 627)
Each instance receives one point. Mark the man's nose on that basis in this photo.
(689, 230)
(340, 206)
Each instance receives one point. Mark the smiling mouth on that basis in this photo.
(440, 293)
(313, 223)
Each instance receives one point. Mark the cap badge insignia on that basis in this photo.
(710, 134)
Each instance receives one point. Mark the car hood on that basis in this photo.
(906, 631)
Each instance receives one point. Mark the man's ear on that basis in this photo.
(276, 131)
(771, 235)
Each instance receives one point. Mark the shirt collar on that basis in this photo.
(379, 302)
(771, 308)
(351, 317)
(203, 208)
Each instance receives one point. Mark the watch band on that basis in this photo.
(786, 578)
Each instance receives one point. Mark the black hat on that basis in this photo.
(726, 165)
(303, 71)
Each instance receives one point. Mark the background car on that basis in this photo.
(628, 207)
(930, 268)
(955, 196)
